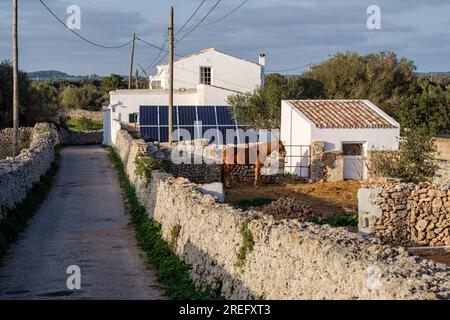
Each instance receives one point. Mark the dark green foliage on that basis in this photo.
(86, 97)
(341, 220)
(36, 102)
(84, 124)
(16, 219)
(382, 77)
(247, 245)
(389, 82)
(248, 203)
(262, 109)
(413, 163)
(429, 110)
(171, 271)
(111, 83)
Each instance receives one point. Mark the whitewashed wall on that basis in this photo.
(295, 131)
(227, 72)
(374, 139)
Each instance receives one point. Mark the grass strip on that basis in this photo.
(16, 219)
(170, 269)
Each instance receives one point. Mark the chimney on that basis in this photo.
(262, 62)
(262, 59)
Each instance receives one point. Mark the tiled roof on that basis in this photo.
(341, 114)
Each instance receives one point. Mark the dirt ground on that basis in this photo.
(329, 198)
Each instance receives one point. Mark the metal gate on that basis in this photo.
(298, 160)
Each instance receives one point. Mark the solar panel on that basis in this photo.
(224, 116)
(207, 115)
(214, 120)
(187, 115)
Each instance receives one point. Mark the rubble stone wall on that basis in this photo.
(409, 214)
(6, 140)
(81, 137)
(79, 113)
(17, 175)
(326, 165)
(286, 259)
(202, 172)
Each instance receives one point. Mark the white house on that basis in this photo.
(354, 127)
(214, 68)
(205, 78)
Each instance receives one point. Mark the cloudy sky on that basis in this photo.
(291, 32)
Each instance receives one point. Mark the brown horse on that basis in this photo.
(253, 154)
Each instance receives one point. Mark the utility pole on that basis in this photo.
(137, 79)
(171, 49)
(15, 82)
(131, 62)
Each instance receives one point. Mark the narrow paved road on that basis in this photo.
(82, 223)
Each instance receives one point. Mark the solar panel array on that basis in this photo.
(195, 120)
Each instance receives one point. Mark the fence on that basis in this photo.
(298, 160)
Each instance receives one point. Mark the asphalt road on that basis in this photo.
(82, 223)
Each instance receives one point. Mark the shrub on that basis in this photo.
(84, 124)
(414, 162)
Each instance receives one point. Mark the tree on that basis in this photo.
(262, 108)
(70, 97)
(111, 83)
(86, 97)
(27, 106)
(381, 77)
(45, 100)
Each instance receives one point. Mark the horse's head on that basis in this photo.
(282, 150)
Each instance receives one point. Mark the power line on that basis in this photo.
(163, 45)
(290, 69)
(192, 16)
(80, 36)
(200, 22)
(225, 16)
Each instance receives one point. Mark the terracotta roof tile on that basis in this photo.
(341, 114)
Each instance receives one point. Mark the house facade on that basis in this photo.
(205, 78)
(351, 128)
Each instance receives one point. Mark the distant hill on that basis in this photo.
(55, 75)
(435, 74)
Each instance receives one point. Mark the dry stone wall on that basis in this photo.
(202, 172)
(409, 214)
(326, 165)
(288, 259)
(80, 113)
(81, 137)
(6, 139)
(17, 175)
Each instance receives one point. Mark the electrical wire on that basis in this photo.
(191, 17)
(225, 16)
(155, 46)
(290, 69)
(82, 37)
(157, 56)
(200, 22)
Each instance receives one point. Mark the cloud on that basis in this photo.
(291, 32)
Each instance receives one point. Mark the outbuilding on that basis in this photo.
(349, 128)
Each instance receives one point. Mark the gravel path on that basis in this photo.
(82, 223)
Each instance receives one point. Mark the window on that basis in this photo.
(205, 75)
(352, 149)
(156, 84)
(133, 118)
